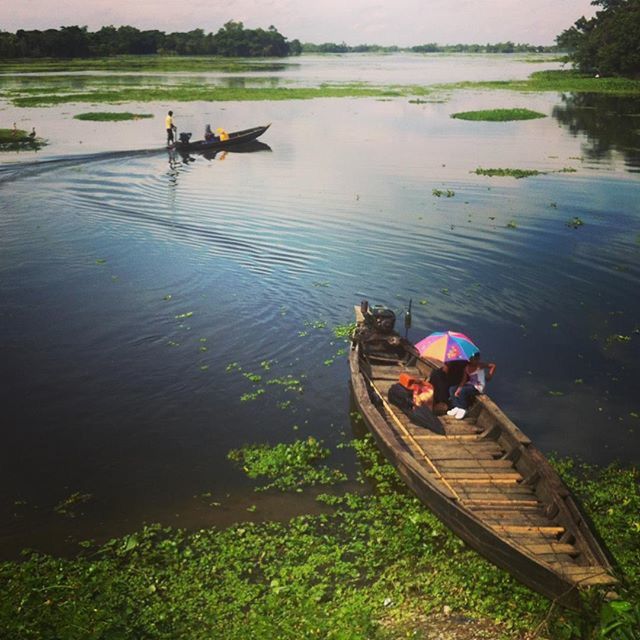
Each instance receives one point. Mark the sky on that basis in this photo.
(386, 22)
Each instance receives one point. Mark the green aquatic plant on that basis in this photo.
(498, 115)
(513, 173)
(287, 466)
(253, 377)
(555, 81)
(316, 324)
(187, 91)
(289, 382)
(438, 193)
(251, 396)
(367, 565)
(344, 331)
(111, 116)
(67, 506)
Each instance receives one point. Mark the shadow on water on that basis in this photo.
(610, 123)
(212, 154)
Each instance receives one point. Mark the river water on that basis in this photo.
(137, 288)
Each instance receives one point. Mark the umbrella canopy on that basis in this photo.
(447, 346)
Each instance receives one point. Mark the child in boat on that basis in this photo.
(476, 375)
(208, 134)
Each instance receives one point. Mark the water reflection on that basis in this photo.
(611, 123)
(186, 157)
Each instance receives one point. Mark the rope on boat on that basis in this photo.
(408, 435)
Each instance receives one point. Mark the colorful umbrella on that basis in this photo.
(447, 346)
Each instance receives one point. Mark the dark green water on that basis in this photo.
(130, 283)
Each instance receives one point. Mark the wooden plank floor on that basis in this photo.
(488, 485)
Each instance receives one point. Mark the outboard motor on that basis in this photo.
(185, 137)
(380, 319)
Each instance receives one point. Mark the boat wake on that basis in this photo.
(18, 170)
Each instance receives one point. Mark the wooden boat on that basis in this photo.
(235, 138)
(481, 476)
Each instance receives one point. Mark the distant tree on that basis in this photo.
(431, 47)
(74, 42)
(608, 43)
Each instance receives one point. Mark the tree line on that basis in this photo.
(609, 43)
(231, 40)
(432, 47)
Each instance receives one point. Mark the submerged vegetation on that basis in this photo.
(111, 116)
(372, 566)
(499, 115)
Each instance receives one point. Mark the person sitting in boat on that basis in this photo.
(442, 379)
(476, 375)
(209, 136)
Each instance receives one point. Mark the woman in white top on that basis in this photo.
(476, 375)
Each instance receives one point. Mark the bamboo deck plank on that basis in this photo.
(526, 529)
(480, 475)
(553, 548)
(455, 450)
(488, 464)
(532, 519)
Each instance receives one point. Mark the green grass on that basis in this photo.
(499, 115)
(111, 116)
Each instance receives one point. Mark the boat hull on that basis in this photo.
(514, 510)
(235, 138)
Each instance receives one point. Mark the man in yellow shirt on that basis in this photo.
(170, 127)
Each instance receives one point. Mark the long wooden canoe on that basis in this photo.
(235, 138)
(481, 476)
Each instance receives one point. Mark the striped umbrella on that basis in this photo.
(447, 346)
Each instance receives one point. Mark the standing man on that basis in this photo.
(170, 127)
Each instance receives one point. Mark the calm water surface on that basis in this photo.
(137, 289)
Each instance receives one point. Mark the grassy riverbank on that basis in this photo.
(378, 566)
